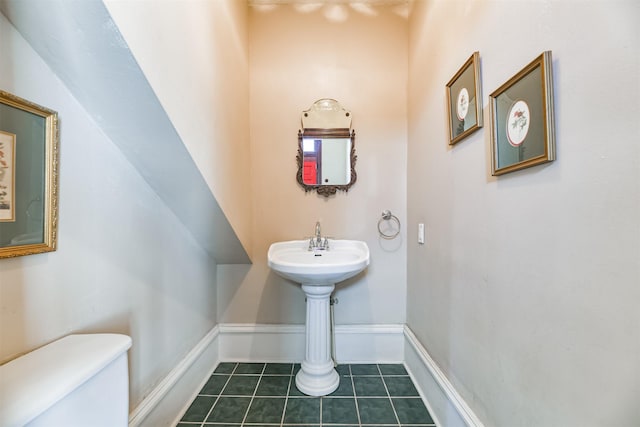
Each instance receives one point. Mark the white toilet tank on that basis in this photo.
(77, 381)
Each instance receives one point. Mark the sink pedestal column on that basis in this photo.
(317, 376)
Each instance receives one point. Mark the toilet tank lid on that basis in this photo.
(32, 383)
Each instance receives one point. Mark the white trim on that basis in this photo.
(447, 407)
(383, 343)
(244, 328)
(240, 342)
(189, 370)
(369, 343)
(248, 328)
(370, 329)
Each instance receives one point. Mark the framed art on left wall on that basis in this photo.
(28, 177)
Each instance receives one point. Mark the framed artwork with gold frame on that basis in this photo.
(28, 177)
(522, 119)
(464, 100)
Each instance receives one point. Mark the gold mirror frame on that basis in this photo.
(323, 189)
(29, 125)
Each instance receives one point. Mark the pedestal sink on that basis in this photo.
(318, 270)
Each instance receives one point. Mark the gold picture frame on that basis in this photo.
(522, 119)
(31, 131)
(464, 97)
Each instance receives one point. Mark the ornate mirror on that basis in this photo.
(326, 149)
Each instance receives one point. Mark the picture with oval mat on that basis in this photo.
(463, 100)
(522, 124)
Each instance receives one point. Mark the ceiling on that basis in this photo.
(367, 2)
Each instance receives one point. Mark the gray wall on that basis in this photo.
(526, 292)
(124, 263)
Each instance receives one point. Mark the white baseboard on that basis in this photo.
(446, 405)
(261, 343)
(286, 343)
(169, 398)
(369, 343)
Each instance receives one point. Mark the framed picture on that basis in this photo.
(28, 177)
(463, 100)
(522, 124)
(7, 177)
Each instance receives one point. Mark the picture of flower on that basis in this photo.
(522, 118)
(3, 194)
(519, 120)
(518, 123)
(7, 150)
(463, 104)
(463, 100)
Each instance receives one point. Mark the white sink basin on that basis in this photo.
(343, 259)
(318, 270)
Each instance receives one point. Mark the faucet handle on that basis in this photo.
(325, 244)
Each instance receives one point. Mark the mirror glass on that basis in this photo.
(326, 161)
(326, 152)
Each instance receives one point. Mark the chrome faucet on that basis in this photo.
(318, 243)
(318, 234)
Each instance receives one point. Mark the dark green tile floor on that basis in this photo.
(265, 395)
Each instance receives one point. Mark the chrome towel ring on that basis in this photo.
(388, 216)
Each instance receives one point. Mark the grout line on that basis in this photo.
(255, 390)
(218, 397)
(384, 383)
(355, 397)
(286, 397)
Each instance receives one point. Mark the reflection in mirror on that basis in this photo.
(28, 177)
(326, 152)
(326, 160)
